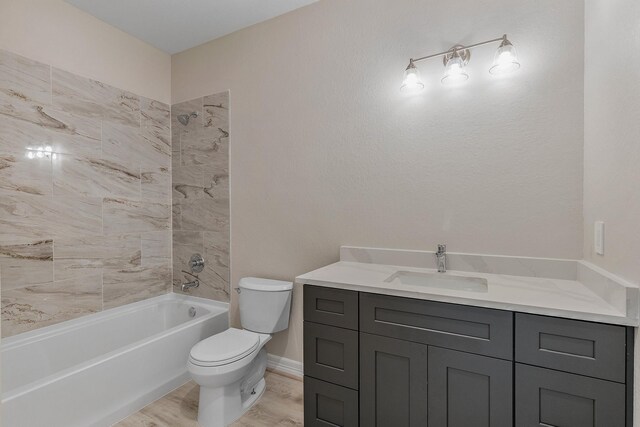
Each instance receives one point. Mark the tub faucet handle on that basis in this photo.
(196, 263)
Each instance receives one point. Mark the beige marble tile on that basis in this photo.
(38, 126)
(216, 111)
(90, 98)
(75, 216)
(24, 214)
(216, 275)
(23, 79)
(80, 215)
(216, 186)
(43, 216)
(94, 177)
(18, 173)
(204, 146)
(201, 194)
(205, 214)
(126, 286)
(32, 307)
(156, 133)
(156, 121)
(176, 216)
(123, 144)
(156, 248)
(175, 154)
(74, 268)
(187, 107)
(281, 405)
(122, 215)
(126, 144)
(25, 263)
(155, 184)
(209, 145)
(185, 244)
(82, 256)
(187, 182)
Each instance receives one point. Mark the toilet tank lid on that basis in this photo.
(265, 285)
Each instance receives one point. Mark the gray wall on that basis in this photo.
(328, 151)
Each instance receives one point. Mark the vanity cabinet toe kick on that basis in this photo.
(378, 360)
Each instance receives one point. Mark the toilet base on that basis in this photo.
(258, 391)
(220, 407)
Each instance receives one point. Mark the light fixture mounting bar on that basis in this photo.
(471, 46)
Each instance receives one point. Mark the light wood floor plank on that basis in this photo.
(280, 406)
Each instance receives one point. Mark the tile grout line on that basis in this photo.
(102, 218)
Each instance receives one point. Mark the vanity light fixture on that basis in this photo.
(506, 59)
(412, 81)
(456, 59)
(454, 63)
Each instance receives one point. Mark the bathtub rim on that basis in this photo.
(217, 308)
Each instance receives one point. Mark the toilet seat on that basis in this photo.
(224, 348)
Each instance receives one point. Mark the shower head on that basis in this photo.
(184, 118)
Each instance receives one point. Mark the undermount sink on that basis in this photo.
(439, 280)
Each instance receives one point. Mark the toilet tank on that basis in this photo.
(265, 304)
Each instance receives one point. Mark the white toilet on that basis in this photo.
(230, 366)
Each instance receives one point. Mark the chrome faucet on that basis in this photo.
(441, 258)
(189, 285)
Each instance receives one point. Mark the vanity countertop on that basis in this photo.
(539, 295)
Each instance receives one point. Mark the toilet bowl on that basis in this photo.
(230, 366)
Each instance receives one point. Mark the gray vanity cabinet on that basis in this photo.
(331, 358)
(382, 361)
(393, 382)
(572, 373)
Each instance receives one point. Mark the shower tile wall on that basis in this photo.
(87, 227)
(201, 194)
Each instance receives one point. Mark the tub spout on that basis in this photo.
(189, 285)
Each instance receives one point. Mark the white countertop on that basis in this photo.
(538, 295)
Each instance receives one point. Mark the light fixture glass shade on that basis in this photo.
(412, 83)
(454, 72)
(506, 59)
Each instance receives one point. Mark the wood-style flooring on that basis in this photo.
(280, 406)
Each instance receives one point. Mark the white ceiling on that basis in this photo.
(177, 25)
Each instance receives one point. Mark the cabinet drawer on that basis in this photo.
(335, 307)
(550, 398)
(331, 354)
(329, 405)
(585, 348)
(471, 329)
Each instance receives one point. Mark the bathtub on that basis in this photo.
(96, 370)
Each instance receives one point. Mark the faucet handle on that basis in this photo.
(442, 248)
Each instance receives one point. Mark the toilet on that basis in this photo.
(230, 366)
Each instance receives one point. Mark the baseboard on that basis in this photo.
(285, 366)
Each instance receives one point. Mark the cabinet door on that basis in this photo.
(552, 398)
(393, 382)
(329, 405)
(468, 390)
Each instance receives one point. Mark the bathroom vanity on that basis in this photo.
(375, 356)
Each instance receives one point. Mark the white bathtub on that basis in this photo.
(98, 369)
